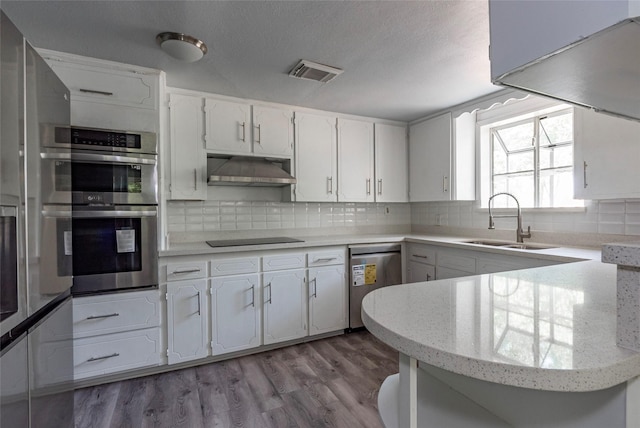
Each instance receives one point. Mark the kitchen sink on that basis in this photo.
(510, 244)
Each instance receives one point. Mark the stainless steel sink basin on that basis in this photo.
(510, 244)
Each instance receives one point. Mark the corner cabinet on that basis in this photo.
(188, 158)
(315, 158)
(606, 156)
(442, 158)
(355, 161)
(391, 175)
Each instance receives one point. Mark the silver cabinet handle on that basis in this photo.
(97, 317)
(195, 178)
(315, 288)
(419, 256)
(115, 354)
(253, 296)
(93, 91)
(330, 185)
(199, 297)
(584, 172)
(259, 133)
(244, 133)
(268, 286)
(428, 277)
(444, 184)
(368, 186)
(324, 259)
(380, 186)
(180, 272)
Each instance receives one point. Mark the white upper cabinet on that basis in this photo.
(235, 128)
(606, 156)
(392, 173)
(228, 127)
(272, 132)
(188, 159)
(355, 161)
(315, 158)
(430, 160)
(442, 159)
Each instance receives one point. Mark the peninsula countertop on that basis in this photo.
(550, 328)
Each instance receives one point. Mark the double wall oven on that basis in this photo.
(111, 241)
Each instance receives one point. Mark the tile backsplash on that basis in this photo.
(616, 217)
(214, 216)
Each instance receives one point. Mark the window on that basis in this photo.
(532, 158)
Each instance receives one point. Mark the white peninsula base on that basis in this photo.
(428, 397)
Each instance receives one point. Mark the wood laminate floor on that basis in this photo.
(331, 382)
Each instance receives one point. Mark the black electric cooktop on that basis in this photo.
(252, 241)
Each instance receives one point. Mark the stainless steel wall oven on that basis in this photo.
(111, 241)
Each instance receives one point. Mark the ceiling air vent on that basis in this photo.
(313, 71)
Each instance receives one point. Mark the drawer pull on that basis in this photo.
(180, 272)
(93, 91)
(324, 259)
(419, 256)
(115, 354)
(96, 317)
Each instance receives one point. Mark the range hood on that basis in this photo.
(250, 171)
(601, 71)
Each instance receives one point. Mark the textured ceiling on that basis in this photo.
(402, 59)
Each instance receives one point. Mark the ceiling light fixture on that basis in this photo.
(182, 47)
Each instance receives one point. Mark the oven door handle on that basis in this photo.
(91, 157)
(100, 214)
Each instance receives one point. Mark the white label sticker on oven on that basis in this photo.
(68, 245)
(126, 240)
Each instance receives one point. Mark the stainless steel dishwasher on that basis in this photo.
(371, 267)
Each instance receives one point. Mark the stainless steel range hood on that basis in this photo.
(601, 71)
(250, 171)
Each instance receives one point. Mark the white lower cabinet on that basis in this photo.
(187, 320)
(328, 299)
(419, 272)
(235, 313)
(285, 305)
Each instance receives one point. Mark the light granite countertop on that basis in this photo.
(559, 253)
(551, 328)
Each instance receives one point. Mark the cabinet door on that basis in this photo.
(430, 160)
(315, 158)
(272, 132)
(187, 321)
(355, 161)
(606, 156)
(227, 127)
(188, 159)
(392, 178)
(235, 313)
(284, 305)
(419, 272)
(327, 299)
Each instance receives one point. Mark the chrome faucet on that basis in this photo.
(519, 232)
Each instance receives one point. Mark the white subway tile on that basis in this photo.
(632, 229)
(194, 227)
(612, 207)
(177, 227)
(611, 228)
(259, 225)
(244, 225)
(632, 206)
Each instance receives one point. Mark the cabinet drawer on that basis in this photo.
(112, 353)
(283, 261)
(457, 262)
(326, 257)
(187, 270)
(421, 254)
(234, 266)
(111, 313)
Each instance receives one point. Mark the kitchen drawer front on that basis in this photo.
(334, 256)
(283, 261)
(421, 254)
(234, 266)
(186, 270)
(457, 262)
(112, 353)
(107, 85)
(112, 313)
